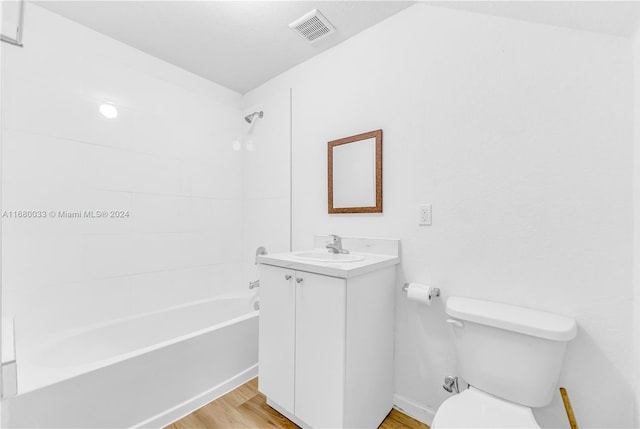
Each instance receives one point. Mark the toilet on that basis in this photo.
(511, 357)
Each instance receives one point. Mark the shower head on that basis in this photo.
(249, 118)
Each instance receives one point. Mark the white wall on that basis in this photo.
(2, 28)
(636, 223)
(266, 178)
(520, 136)
(167, 159)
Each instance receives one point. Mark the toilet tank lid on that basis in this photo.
(513, 318)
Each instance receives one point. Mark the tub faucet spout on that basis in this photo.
(335, 245)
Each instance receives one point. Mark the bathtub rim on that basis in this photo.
(66, 373)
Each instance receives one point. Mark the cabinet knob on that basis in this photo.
(287, 276)
(299, 280)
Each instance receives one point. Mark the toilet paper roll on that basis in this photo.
(419, 293)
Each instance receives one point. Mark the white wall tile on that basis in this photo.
(51, 201)
(266, 223)
(167, 160)
(267, 168)
(45, 311)
(636, 224)
(34, 261)
(266, 179)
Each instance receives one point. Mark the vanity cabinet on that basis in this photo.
(276, 340)
(326, 346)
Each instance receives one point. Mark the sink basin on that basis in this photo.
(328, 257)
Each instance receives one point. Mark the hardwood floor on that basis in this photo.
(246, 408)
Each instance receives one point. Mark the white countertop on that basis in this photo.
(344, 270)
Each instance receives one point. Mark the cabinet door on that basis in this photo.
(277, 335)
(320, 350)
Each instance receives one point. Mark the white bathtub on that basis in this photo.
(143, 371)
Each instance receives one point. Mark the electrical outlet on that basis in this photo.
(424, 214)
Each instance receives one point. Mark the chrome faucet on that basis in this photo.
(335, 245)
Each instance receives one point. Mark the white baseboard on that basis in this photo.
(179, 411)
(412, 409)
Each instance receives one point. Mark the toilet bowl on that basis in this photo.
(511, 357)
(474, 408)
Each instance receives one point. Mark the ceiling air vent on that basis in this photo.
(313, 26)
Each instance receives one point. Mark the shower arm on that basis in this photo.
(250, 118)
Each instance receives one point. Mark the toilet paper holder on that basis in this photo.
(433, 291)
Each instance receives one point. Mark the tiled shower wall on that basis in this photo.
(167, 161)
(636, 225)
(266, 187)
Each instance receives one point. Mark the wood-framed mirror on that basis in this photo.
(355, 173)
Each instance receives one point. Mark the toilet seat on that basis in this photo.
(474, 408)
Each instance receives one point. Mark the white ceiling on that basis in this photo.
(238, 44)
(242, 44)
(618, 18)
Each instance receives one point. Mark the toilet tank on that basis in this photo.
(512, 352)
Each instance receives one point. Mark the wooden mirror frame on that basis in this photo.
(377, 134)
